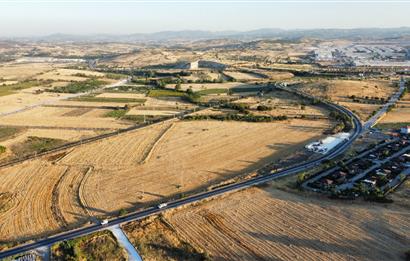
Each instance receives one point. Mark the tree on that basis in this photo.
(301, 178)
(178, 86)
(189, 90)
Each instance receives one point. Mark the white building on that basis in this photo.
(405, 130)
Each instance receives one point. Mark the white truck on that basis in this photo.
(104, 222)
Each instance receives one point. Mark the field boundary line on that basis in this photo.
(55, 202)
(147, 155)
(82, 201)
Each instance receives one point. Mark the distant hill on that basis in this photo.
(192, 35)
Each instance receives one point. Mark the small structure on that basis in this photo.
(370, 182)
(405, 130)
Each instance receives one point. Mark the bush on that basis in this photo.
(236, 106)
(263, 108)
(2, 149)
(77, 87)
(122, 212)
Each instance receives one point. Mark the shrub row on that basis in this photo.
(237, 117)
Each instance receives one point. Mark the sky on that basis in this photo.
(44, 17)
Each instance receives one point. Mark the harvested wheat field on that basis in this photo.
(284, 103)
(136, 111)
(23, 71)
(168, 102)
(180, 157)
(52, 117)
(277, 75)
(269, 224)
(121, 95)
(31, 186)
(400, 113)
(68, 75)
(241, 76)
(74, 103)
(69, 135)
(141, 167)
(367, 93)
(363, 111)
(24, 99)
(154, 241)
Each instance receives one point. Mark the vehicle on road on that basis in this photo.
(104, 222)
(162, 205)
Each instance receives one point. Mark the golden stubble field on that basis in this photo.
(60, 117)
(270, 224)
(23, 71)
(400, 113)
(341, 91)
(137, 168)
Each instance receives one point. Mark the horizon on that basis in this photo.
(42, 18)
(210, 31)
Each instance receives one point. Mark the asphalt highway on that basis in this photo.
(336, 151)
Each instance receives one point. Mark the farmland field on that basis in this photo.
(154, 240)
(67, 75)
(59, 117)
(399, 115)
(264, 223)
(140, 167)
(243, 76)
(369, 92)
(23, 71)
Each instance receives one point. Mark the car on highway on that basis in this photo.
(104, 222)
(162, 205)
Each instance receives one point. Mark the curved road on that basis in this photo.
(338, 150)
